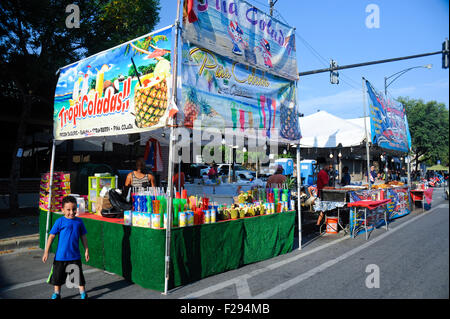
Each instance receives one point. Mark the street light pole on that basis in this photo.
(400, 73)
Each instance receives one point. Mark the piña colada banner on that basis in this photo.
(123, 90)
(222, 93)
(241, 32)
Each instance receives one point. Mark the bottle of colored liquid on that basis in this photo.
(176, 210)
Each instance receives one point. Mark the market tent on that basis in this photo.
(360, 122)
(437, 168)
(323, 129)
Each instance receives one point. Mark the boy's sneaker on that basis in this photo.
(56, 296)
(83, 295)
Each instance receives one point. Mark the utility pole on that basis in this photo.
(271, 4)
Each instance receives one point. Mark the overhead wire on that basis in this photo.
(324, 61)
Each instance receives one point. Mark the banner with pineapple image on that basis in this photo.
(241, 32)
(222, 93)
(125, 89)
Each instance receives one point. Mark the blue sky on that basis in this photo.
(331, 29)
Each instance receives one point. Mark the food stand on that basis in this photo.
(169, 239)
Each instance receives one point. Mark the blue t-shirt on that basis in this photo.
(70, 231)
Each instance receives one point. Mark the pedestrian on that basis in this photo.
(372, 175)
(212, 173)
(176, 178)
(322, 181)
(70, 229)
(346, 178)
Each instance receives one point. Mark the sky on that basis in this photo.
(338, 30)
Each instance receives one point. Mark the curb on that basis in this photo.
(19, 242)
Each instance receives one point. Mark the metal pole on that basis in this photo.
(385, 87)
(171, 146)
(52, 164)
(179, 172)
(299, 200)
(367, 136)
(229, 166)
(342, 67)
(409, 179)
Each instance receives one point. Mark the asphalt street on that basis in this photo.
(410, 260)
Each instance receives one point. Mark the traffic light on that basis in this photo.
(334, 75)
(445, 46)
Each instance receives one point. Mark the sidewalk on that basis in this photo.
(19, 231)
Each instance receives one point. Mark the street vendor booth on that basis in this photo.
(386, 132)
(171, 238)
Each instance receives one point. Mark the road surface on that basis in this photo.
(410, 260)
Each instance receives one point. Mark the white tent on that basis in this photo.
(323, 129)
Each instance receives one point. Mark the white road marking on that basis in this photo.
(236, 281)
(242, 290)
(296, 280)
(38, 282)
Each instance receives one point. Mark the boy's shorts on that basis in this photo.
(60, 270)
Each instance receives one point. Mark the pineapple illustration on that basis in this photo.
(289, 123)
(150, 101)
(207, 110)
(191, 109)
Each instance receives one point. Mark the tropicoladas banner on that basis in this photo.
(243, 33)
(222, 93)
(122, 90)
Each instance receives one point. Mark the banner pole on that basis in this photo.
(367, 136)
(171, 146)
(299, 200)
(409, 181)
(49, 205)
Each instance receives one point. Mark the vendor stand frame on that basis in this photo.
(193, 240)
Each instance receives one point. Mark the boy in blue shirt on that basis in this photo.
(67, 258)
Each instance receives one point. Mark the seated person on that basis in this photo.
(276, 180)
(312, 195)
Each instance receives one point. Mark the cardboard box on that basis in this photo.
(102, 203)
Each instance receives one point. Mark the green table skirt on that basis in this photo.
(137, 253)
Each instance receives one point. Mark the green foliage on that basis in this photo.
(429, 128)
(35, 42)
(290, 182)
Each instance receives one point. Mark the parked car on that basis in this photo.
(240, 170)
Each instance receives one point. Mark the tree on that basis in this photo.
(35, 42)
(429, 127)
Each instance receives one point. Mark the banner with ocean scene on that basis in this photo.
(388, 122)
(241, 32)
(223, 93)
(125, 89)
